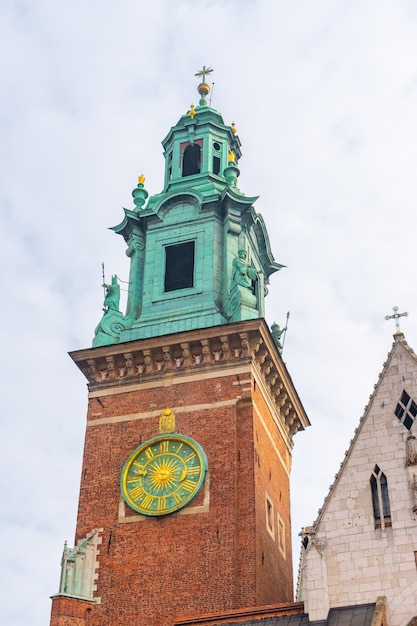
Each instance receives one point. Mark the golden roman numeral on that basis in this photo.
(188, 485)
(179, 448)
(193, 470)
(147, 502)
(137, 492)
(149, 453)
(190, 456)
(177, 497)
(162, 504)
(163, 447)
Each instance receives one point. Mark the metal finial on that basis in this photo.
(395, 317)
(203, 73)
(203, 88)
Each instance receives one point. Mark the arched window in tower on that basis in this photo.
(216, 165)
(216, 157)
(380, 499)
(191, 160)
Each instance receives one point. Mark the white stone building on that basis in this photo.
(363, 545)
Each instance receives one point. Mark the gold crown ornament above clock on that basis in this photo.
(164, 473)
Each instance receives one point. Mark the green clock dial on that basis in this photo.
(163, 474)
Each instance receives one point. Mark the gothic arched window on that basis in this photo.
(380, 498)
(191, 160)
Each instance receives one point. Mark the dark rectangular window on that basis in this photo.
(179, 266)
(405, 398)
(269, 514)
(399, 411)
(406, 410)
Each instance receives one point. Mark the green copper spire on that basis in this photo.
(199, 253)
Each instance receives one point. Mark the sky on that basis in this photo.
(324, 97)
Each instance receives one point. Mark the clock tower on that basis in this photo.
(184, 506)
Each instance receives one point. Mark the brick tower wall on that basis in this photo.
(274, 575)
(206, 557)
(186, 562)
(230, 547)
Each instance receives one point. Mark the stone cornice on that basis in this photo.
(193, 351)
(246, 616)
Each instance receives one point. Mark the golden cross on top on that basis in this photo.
(395, 317)
(203, 73)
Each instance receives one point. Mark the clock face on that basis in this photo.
(163, 474)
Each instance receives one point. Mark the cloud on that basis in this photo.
(324, 99)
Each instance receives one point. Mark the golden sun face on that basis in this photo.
(163, 475)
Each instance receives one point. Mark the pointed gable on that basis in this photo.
(364, 541)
